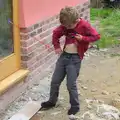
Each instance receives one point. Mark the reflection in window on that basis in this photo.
(6, 32)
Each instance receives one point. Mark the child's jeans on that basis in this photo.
(67, 64)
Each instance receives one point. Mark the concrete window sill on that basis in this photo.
(12, 80)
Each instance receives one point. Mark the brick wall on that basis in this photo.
(33, 52)
(35, 56)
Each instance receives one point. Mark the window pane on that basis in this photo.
(6, 32)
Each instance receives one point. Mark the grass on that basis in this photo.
(109, 26)
(100, 13)
(115, 55)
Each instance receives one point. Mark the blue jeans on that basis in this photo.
(67, 64)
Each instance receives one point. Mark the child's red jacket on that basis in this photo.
(83, 28)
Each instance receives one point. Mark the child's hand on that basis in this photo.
(58, 51)
(78, 37)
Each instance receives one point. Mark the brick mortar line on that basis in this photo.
(44, 21)
(37, 37)
(35, 50)
(26, 33)
(48, 68)
(51, 29)
(25, 62)
(41, 45)
(43, 59)
(37, 69)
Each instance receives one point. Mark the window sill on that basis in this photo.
(12, 80)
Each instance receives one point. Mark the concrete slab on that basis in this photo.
(27, 112)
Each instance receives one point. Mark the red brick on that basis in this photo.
(31, 61)
(24, 58)
(41, 49)
(31, 48)
(47, 39)
(46, 33)
(26, 43)
(28, 57)
(45, 64)
(50, 25)
(41, 55)
(26, 30)
(36, 38)
(24, 36)
(52, 19)
(23, 43)
(32, 34)
(34, 73)
(28, 50)
(54, 28)
(47, 21)
(45, 27)
(30, 42)
(41, 24)
(51, 49)
(40, 46)
(86, 17)
(31, 68)
(41, 62)
(49, 56)
(24, 64)
(34, 66)
(36, 26)
(39, 30)
(24, 50)
(83, 9)
(81, 15)
(78, 7)
(86, 3)
(44, 51)
(54, 23)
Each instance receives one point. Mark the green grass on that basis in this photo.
(115, 55)
(100, 13)
(109, 26)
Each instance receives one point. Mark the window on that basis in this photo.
(9, 38)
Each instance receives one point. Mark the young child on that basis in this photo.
(78, 34)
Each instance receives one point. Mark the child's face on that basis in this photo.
(72, 26)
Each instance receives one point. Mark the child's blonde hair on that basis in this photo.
(68, 16)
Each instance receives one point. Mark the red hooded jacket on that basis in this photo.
(89, 34)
